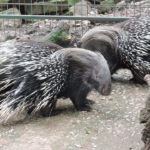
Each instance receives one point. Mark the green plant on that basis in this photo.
(107, 5)
(87, 131)
(72, 2)
(58, 36)
(3, 1)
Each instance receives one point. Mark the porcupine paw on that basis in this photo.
(89, 102)
(84, 108)
(139, 81)
(56, 112)
(133, 80)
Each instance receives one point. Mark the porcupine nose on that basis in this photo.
(106, 90)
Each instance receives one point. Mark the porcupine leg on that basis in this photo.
(79, 99)
(47, 111)
(89, 101)
(50, 111)
(80, 104)
(137, 79)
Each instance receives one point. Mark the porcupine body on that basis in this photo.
(32, 50)
(37, 78)
(124, 45)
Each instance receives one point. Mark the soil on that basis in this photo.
(113, 124)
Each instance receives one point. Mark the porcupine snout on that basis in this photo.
(106, 89)
(103, 77)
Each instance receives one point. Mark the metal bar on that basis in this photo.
(38, 4)
(64, 17)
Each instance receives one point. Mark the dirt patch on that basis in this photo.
(112, 125)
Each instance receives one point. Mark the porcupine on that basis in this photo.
(124, 45)
(38, 78)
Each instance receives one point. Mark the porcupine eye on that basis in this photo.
(96, 75)
(94, 78)
(97, 80)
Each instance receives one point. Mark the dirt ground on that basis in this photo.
(112, 125)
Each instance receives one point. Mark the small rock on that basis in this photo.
(77, 145)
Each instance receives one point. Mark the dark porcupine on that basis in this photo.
(37, 78)
(28, 45)
(124, 45)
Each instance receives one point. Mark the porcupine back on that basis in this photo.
(135, 51)
(124, 45)
(24, 64)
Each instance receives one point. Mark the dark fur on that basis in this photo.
(75, 87)
(28, 45)
(122, 45)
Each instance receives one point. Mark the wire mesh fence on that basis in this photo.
(39, 17)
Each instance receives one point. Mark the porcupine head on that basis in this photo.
(87, 70)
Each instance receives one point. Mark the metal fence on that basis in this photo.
(20, 17)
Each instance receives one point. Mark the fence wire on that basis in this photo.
(38, 17)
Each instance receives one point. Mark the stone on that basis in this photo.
(121, 5)
(106, 6)
(82, 8)
(46, 7)
(10, 23)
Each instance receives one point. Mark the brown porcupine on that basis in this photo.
(37, 78)
(124, 45)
